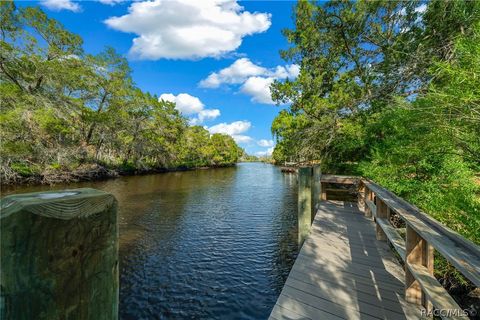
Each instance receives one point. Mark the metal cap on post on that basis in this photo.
(59, 255)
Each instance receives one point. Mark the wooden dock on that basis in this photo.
(369, 259)
(342, 272)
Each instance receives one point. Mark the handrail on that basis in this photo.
(463, 254)
(423, 235)
(331, 178)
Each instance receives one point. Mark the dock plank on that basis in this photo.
(341, 272)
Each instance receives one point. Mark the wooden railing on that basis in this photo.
(422, 235)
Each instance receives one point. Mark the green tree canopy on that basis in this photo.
(63, 109)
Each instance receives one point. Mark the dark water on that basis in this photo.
(206, 244)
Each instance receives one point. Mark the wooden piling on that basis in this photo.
(316, 189)
(304, 202)
(59, 255)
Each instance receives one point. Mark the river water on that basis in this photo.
(204, 244)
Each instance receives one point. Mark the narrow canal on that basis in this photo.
(205, 244)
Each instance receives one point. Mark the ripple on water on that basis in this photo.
(206, 244)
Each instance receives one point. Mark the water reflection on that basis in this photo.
(206, 244)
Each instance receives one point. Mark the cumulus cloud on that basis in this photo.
(111, 2)
(189, 105)
(266, 153)
(185, 29)
(255, 80)
(242, 138)
(206, 114)
(237, 72)
(289, 71)
(259, 89)
(184, 102)
(234, 129)
(58, 5)
(265, 143)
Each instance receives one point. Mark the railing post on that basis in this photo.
(368, 196)
(316, 189)
(304, 202)
(323, 193)
(361, 196)
(59, 255)
(428, 259)
(381, 214)
(418, 252)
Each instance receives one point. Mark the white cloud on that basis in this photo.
(234, 129)
(289, 71)
(111, 2)
(189, 105)
(58, 5)
(265, 143)
(266, 153)
(242, 138)
(185, 29)
(259, 89)
(236, 73)
(421, 8)
(255, 80)
(206, 114)
(184, 103)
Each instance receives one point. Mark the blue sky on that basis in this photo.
(179, 44)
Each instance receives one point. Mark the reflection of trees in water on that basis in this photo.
(191, 239)
(154, 264)
(145, 199)
(290, 179)
(287, 239)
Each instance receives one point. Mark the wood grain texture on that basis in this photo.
(393, 236)
(59, 255)
(304, 202)
(371, 207)
(433, 290)
(381, 213)
(330, 178)
(316, 188)
(460, 252)
(414, 256)
(342, 272)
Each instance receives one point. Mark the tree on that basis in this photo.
(356, 57)
(389, 90)
(65, 110)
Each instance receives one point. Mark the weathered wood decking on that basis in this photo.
(343, 272)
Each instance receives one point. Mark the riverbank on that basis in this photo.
(228, 233)
(84, 172)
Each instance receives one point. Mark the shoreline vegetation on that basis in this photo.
(70, 116)
(94, 172)
(97, 172)
(391, 91)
